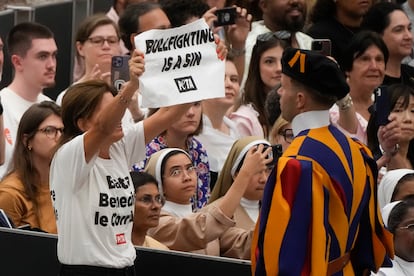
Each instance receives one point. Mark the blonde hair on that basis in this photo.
(277, 126)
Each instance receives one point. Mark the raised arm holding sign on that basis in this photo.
(181, 65)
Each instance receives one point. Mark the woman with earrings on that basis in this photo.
(265, 71)
(24, 191)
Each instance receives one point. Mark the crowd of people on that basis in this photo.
(291, 168)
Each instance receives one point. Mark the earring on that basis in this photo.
(29, 148)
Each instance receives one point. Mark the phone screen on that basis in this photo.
(382, 105)
(119, 71)
(226, 16)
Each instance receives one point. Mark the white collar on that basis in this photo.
(310, 119)
(179, 210)
(249, 204)
(406, 267)
(251, 207)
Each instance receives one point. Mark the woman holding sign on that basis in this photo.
(91, 188)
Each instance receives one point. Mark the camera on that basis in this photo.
(277, 151)
(226, 16)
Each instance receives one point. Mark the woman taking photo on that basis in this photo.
(97, 40)
(210, 230)
(396, 137)
(247, 210)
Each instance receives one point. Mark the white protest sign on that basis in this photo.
(181, 65)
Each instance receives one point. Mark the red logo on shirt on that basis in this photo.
(120, 238)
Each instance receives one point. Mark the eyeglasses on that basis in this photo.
(149, 200)
(178, 172)
(287, 135)
(282, 35)
(100, 40)
(51, 131)
(409, 227)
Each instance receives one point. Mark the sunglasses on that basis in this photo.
(281, 35)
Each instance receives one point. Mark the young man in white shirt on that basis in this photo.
(33, 51)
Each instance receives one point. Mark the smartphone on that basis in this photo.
(323, 46)
(119, 71)
(225, 16)
(382, 105)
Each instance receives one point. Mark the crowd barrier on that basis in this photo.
(32, 253)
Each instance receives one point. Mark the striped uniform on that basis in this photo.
(320, 204)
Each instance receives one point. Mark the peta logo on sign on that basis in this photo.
(185, 84)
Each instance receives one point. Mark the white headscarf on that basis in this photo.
(388, 183)
(153, 166)
(385, 212)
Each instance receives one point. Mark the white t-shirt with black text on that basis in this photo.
(94, 202)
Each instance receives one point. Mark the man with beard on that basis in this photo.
(33, 50)
(279, 15)
(337, 20)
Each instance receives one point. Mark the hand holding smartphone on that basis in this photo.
(382, 105)
(119, 71)
(277, 151)
(225, 16)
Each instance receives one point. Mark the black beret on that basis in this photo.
(315, 71)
